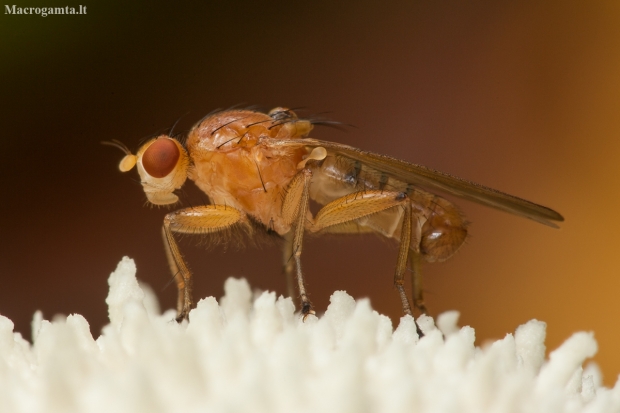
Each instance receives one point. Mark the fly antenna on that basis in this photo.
(128, 161)
(117, 144)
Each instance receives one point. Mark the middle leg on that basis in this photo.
(295, 213)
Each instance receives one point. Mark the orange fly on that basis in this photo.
(260, 172)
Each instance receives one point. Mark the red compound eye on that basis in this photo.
(160, 158)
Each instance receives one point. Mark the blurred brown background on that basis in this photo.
(523, 98)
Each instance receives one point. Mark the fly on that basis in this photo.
(262, 168)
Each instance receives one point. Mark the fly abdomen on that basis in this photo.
(443, 232)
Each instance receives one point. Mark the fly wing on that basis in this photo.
(432, 179)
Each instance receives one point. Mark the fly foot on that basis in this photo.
(306, 310)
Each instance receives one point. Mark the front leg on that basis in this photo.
(198, 220)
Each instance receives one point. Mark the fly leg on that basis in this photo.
(288, 263)
(198, 220)
(403, 257)
(295, 212)
(417, 289)
(405, 254)
(338, 216)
